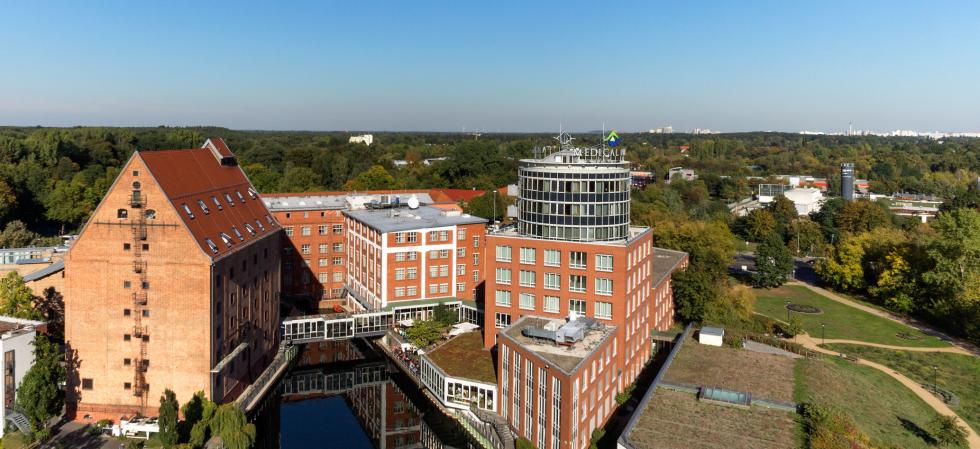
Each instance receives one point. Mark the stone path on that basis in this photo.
(968, 347)
(938, 405)
(755, 346)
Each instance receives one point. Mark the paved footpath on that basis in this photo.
(939, 406)
(949, 349)
(965, 346)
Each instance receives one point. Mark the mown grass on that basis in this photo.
(842, 321)
(957, 373)
(880, 406)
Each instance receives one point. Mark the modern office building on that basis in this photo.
(847, 181)
(573, 261)
(410, 256)
(17, 346)
(172, 283)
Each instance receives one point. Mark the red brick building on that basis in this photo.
(573, 258)
(172, 283)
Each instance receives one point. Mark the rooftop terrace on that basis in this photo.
(566, 356)
(464, 357)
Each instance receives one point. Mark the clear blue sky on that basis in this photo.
(416, 65)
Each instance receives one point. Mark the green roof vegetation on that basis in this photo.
(465, 357)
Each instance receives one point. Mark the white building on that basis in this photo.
(806, 200)
(17, 347)
(366, 139)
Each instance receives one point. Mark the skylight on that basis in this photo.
(214, 248)
(204, 207)
(240, 197)
(217, 203)
(252, 193)
(188, 210)
(226, 238)
(260, 225)
(230, 201)
(250, 229)
(237, 233)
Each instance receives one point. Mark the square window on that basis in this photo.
(127, 312)
(127, 284)
(86, 384)
(127, 337)
(127, 362)
(126, 246)
(127, 385)
(146, 247)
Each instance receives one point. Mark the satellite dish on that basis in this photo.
(413, 202)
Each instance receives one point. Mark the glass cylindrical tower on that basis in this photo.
(575, 194)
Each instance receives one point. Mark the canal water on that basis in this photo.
(348, 394)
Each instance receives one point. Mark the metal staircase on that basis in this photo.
(140, 364)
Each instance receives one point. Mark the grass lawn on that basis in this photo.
(843, 322)
(764, 375)
(957, 373)
(464, 356)
(880, 406)
(13, 440)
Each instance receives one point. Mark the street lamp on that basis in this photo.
(823, 333)
(787, 312)
(935, 373)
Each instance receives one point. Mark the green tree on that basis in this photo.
(694, 291)
(773, 263)
(947, 431)
(8, 199)
(299, 179)
(193, 411)
(201, 430)
(375, 178)
(67, 202)
(483, 206)
(38, 394)
(843, 268)
(230, 424)
(523, 443)
(805, 237)
(424, 332)
(16, 298)
(862, 216)
(784, 212)
(168, 419)
(264, 179)
(759, 224)
(443, 314)
(16, 235)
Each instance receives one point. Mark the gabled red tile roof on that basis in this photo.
(190, 176)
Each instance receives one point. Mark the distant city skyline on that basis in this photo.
(504, 66)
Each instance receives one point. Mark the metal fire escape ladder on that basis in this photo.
(140, 363)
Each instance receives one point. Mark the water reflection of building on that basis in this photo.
(352, 370)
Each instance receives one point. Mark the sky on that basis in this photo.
(738, 65)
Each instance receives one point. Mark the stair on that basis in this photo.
(19, 420)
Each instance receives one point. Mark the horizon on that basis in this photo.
(511, 68)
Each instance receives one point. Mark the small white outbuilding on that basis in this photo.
(711, 336)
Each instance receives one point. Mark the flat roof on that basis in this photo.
(565, 357)
(716, 331)
(338, 201)
(405, 219)
(464, 357)
(634, 233)
(10, 326)
(665, 262)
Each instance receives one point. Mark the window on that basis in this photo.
(289, 231)
(503, 253)
(399, 257)
(443, 235)
(145, 246)
(136, 185)
(127, 312)
(501, 320)
(527, 278)
(249, 228)
(503, 298)
(412, 291)
(136, 172)
(127, 362)
(551, 304)
(412, 273)
(225, 238)
(241, 198)
(576, 283)
(413, 237)
(433, 288)
(127, 337)
(603, 310)
(503, 276)
(252, 193)
(552, 258)
(460, 269)
(211, 245)
(577, 306)
(304, 230)
(86, 384)
(338, 229)
(322, 277)
(576, 259)
(151, 214)
(323, 262)
(399, 292)
(476, 258)
(239, 234)
(603, 262)
(476, 275)
(527, 301)
(460, 286)
(126, 284)
(476, 241)
(338, 276)
(399, 274)
(217, 203)
(460, 252)
(126, 246)
(304, 248)
(338, 260)
(603, 286)
(443, 288)
(460, 233)
(122, 213)
(528, 256)
(260, 225)
(552, 281)
(338, 247)
(323, 248)
(187, 210)
(322, 229)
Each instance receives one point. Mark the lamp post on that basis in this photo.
(823, 333)
(935, 374)
(787, 312)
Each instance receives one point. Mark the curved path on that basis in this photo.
(939, 406)
(950, 349)
(968, 348)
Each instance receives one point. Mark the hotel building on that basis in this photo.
(172, 283)
(573, 258)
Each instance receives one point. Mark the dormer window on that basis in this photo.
(250, 229)
(188, 210)
(252, 193)
(204, 207)
(226, 238)
(237, 233)
(240, 197)
(231, 202)
(214, 248)
(260, 225)
(217, 203)
(269, 219)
